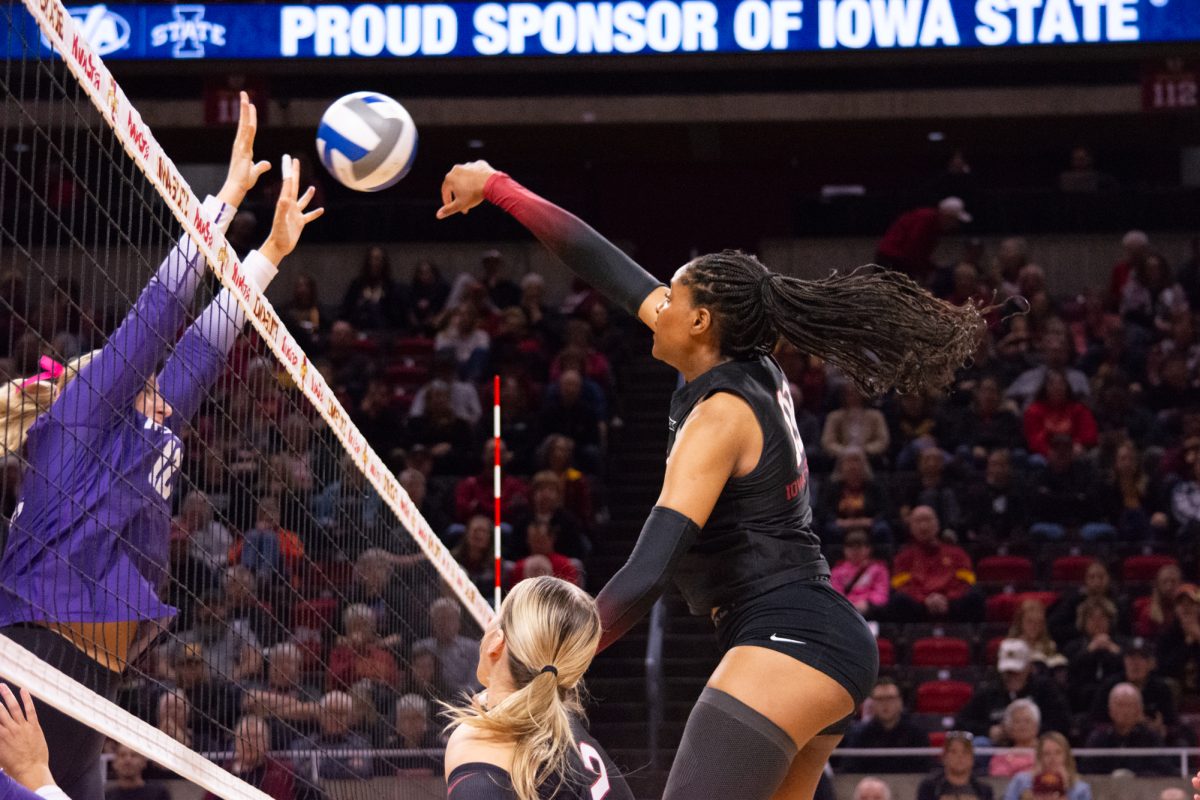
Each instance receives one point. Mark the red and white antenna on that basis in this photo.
(496, 480)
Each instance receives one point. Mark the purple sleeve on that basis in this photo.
(108, 384)
(198, 358)
(11, 790)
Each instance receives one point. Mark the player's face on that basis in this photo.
(151, 404)
(675, 317)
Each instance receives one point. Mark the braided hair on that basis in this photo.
(879, 327)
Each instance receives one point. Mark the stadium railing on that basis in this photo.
(654, 679)
(1181, 753)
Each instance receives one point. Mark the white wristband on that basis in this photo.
(260, 268)
(52, 792)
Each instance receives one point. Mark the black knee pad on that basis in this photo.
(729, 750)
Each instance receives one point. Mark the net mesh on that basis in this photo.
(230, 575)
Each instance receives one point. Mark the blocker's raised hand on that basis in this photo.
(23, 751)
(462, 188)
(244, 172)
(290, 214)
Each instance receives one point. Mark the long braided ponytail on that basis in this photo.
(879, 327)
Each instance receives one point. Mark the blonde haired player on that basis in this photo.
(522, 737)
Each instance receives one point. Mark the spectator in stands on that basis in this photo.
(500, 290)
(579, 353)
(1029, 625)
(208, 703)
(1011, 255)
(1176, 389)
(373, 301)
(1134, 503)
(984, 426)
(956, 778)
(129, 767)
(464, 397)
(1056, 355)
(1158, 700)
(1094, 657)
(1127, 729)
(1019, 729)
(1064, 495)
(230, 646)
(854, 501)
(463, 335)
(911, 423)
(546, 505)
(475, 494)
(1159, 614)
(1082, 177)
(1180, 338)
(457, 655)
(854, 425)
(1055, 411)
(887, 727)
(1150, 295)
(425, 674)
(304, 317)
(996, 504)
(376, 417)
(349, 369)
(518, 349)
(872, 789)
(449, 437)
(1185, 497)
(208, 539)
(557, 454)
(269, 550)
(519, 426)
(543, 559)
(543, 319)
(252, 761)
(566, 411)
(910, 240)
(285, 698)
(173, 716)
(1054, 756)
(342, 753)
(1179, 643)
(1118, 416)
(931, 487)
(610, 339)
(416, 484)
(426, 296)
(474, 552)
(983, 713)
(360, 653)
(374, 585)
(933, 579)
(862, 579)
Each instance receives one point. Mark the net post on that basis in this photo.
(496, 483)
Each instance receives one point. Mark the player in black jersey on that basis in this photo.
(732, 525)
(522, 737)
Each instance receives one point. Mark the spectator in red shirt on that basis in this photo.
(1055, 411)
(542, 558)
(360, 653)
(476, 494)
(1136, 245)
(911, 239)
(933, 579)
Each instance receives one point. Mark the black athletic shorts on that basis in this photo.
(812, 622)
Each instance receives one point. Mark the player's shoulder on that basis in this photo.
(468, 744)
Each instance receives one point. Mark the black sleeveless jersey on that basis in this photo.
(593, 777)
(759, 535)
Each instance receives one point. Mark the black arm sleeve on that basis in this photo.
(585, 252)
(626, 598)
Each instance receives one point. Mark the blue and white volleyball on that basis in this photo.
(367, 141)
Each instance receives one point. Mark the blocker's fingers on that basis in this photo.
(306, 198)
(296, 174)
(11, 710)
(253, 111)
(447, 192)
(27, 701)
(261, 168)
(316, 213)
(285, 168)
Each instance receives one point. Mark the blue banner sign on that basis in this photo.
(624, 27)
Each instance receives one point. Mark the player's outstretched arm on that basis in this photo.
(706, 453)
(585, 252)
(24, 757)
(196, 361)
(109, 383)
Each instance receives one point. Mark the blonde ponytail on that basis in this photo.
(547, 623)
(20, 407)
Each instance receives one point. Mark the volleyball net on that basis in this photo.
(242, 585)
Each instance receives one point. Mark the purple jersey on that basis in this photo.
(11, 790)
(89, 539)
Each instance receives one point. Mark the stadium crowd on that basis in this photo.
(1022, 542)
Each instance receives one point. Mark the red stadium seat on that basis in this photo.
(937, 738)
(1144, 568)
(413, 346)
(1004, 569)
(1070, 569)
(942, 697)
(1003, 607)
(1140, 605)
(940, 651)
(887, 652)
(992, 651)
(1047, 599)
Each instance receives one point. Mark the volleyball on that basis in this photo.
(367, 141)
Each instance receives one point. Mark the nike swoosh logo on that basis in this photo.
(777, 638)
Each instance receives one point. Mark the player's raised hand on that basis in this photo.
(23, 751)
(291, 214)
(244, 172)
(462, 188)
